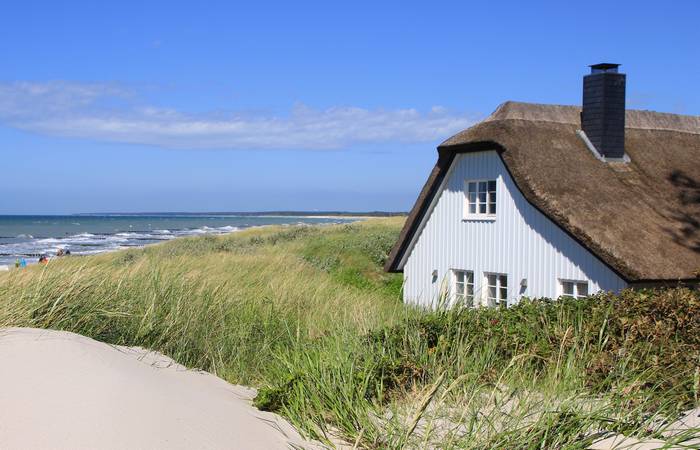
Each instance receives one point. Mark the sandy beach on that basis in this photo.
(60, 390)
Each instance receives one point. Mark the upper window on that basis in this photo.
(464, 287)
(496, 289)
(480, 198)
(574, 289)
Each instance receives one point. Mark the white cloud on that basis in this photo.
(106, 112)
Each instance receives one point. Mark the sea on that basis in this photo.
(30, 237)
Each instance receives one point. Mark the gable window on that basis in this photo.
(480, 201)
(496, 289)
(463, 284)
(574, 289)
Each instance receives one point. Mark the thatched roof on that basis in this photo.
(641, 218)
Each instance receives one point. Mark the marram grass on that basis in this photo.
(307, 315)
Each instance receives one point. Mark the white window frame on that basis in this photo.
(499, 299)
(576, 291)
(478, 215)
(468, 299)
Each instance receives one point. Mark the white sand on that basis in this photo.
(60, 390)
(682, 429)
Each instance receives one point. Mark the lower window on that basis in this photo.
(574, 289)
(496, 289)
(463, 287)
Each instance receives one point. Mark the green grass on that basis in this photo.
(307, 315)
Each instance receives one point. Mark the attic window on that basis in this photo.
(480, 199)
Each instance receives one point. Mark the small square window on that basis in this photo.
(582, 289)
(567, 288)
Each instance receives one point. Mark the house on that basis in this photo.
(548, 200)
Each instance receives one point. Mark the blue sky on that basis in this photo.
(226, 106)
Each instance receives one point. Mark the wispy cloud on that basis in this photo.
(106, 112)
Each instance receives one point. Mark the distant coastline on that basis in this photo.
(329, 214)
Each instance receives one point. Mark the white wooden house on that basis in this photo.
(547, 200)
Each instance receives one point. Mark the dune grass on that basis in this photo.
(307, 315)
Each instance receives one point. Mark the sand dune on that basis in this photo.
(60, 390)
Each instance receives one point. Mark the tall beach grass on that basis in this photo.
(307, 315)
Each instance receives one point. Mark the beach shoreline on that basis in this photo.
(30, 237)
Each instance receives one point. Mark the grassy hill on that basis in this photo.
(307, 315)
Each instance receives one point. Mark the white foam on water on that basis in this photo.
(48, 241)
(85, 243)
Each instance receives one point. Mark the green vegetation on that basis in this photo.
(307, 315)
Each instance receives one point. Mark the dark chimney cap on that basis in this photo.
(604, 67)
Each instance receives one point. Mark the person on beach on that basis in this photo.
(43, 259)
(60, 252)
(17, 263)
(22, 262)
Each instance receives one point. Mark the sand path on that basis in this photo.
(60, 390)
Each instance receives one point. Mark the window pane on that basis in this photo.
(492, 186)
(460, 276)
(492, 208)
(470, 277)
(459, 289)
(503, 280)
(582, 290)
(482, 208)
(492, 292)
(503, 293)
(472, 187)
(491, 279)
(492, 197)
(472, 208)
(470, 290)
(482, 197)
(483, 186)
(567, 288)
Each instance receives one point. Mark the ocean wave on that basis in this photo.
(105, 237)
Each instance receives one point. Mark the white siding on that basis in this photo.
(521, 242)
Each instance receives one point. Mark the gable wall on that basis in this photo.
(521, 242)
